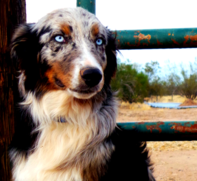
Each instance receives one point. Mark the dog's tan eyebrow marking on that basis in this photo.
(67, 29)
(95, 29)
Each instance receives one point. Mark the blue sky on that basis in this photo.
(132, 14)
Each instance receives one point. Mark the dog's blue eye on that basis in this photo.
(59, 39)
(99, 41)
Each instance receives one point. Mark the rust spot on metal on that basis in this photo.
(153, 127)
(140, 37)
(193, 38)
(144, 44)
(159, 43)
(131, 45)
(143, 37)
(175, 42)
(184, 129)
(186, 39)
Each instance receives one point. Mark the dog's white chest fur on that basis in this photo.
(38, 174)
(58, 143)
(64, 150)
(57, 155)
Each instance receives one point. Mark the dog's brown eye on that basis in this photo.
(59, 39)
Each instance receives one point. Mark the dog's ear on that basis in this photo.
(23, 46)
(111, 49)
(25, 49)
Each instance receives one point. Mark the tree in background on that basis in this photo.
(152, 70)
(131, 84)
(134, 84)
(188, 86)
(172, 83)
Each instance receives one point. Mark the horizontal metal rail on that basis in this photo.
(163, 131)
(157, 38)
(147, 39)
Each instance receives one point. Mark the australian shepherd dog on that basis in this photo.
(67, 126)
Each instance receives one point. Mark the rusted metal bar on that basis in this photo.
(88, 5)
(162, 131)
(147, 39)
(157, 38)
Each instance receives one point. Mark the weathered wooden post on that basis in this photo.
(12, 13)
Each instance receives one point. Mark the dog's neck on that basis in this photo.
(58, 106)
(80, 135)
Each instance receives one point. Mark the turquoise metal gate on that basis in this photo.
(147, 39)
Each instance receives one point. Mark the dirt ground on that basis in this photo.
(173, 161)
(157, 114)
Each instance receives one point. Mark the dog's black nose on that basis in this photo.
(91, 76)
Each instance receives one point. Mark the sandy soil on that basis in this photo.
(175, 165)
(156, 114)
(173, 161)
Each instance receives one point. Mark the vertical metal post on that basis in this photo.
(89, 5)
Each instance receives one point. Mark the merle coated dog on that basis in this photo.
(67, 129)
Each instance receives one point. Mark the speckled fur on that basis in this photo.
(51, 89)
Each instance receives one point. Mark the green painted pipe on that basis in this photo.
(147, 39)
(162, 131)
(157, 38)
(88, 5)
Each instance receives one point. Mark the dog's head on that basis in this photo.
(68, 50)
